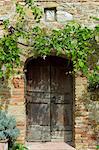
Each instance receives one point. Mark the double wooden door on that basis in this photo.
(49, 96)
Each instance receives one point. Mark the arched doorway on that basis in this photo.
(49, 100)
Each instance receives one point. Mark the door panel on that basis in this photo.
(38, 133)
(61, 104)
(62, 136)
(39, 114)
(57, 122)
(38, 103)
(38, 79)
(37, 97)
(61, 117)
(61, 98)
(38, 127)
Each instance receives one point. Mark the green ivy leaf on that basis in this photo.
(81, 63)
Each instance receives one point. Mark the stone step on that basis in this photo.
(49, 146)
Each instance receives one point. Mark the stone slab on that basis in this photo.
(49, 146)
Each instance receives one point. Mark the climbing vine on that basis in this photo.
(80, 44)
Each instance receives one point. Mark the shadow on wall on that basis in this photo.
(4, 94)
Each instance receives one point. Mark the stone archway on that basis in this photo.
(49, 100)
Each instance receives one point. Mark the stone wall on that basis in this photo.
(80, 10)
(12, 97)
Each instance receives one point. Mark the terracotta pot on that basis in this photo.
(4, 145)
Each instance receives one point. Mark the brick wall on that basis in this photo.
(12, 100)
(86, 116)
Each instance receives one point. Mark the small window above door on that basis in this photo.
(50, 14)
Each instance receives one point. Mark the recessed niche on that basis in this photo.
(50, 14)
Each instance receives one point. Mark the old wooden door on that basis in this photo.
(49, 100)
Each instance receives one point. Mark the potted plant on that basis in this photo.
(8, 130)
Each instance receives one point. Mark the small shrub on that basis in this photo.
(8, 130)
(97, 147)
(17, 146)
